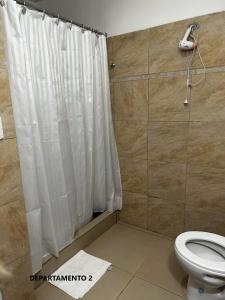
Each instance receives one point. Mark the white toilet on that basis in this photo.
(202, 256)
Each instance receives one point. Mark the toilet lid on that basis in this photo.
(181, 248)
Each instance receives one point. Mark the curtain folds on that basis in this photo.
(61, 102)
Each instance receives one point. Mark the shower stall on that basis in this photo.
(61, 101)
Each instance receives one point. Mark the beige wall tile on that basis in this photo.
(164, 54)
(204, 220)
(167, 180)
(131, 100)
(132, 139)
(10, 183)
(206, 191)
(208, 101)
(135, 209)
(211, 44)
(2, 51)
(6, 106)
(8, 152)
(130, 54)
(206, 147)
(175, 146)
(14, 247)
(13, 232)
(8, 123)
(167, 141)
(18, 286)
(166, 217)
(166, 99)
(134, 175)
(4, 89)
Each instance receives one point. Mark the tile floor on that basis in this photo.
(144, 268)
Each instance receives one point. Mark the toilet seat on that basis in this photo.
(181, 248)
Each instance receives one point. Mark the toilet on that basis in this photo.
(202, 256)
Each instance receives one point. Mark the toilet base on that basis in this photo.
(196, 292)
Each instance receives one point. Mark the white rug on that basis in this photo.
(79, 274)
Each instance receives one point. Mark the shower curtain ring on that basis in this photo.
(57, 21)
(24, 9)
(71, 24)
(43, 16)
(83, 29)
(97, 33)
(2, 3)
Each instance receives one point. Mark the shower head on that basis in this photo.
(187, 43)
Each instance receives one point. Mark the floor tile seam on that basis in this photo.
(125, 287)
(160, 287)
(121, 269)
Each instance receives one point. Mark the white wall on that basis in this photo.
(121, 16)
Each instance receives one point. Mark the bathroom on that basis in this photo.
(112, 149)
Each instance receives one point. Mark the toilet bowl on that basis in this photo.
(202, 255)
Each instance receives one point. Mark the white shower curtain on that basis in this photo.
(61, 102)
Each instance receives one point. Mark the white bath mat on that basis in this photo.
(79, 274)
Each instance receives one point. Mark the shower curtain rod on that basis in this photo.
(51, 14)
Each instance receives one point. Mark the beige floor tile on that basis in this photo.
(18, 286)
(124, 247)
(111, 284)
(162, 268)
(142, 290)
(49, 292)
(158, 274)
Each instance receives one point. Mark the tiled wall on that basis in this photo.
(172, 156)
(14, 249)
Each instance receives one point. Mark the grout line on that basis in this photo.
(8, 138)
(135, 275)
(119, 268)
(129, 281)
(176, 73)
(3, 66)
(162, 288)
(148, 152)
